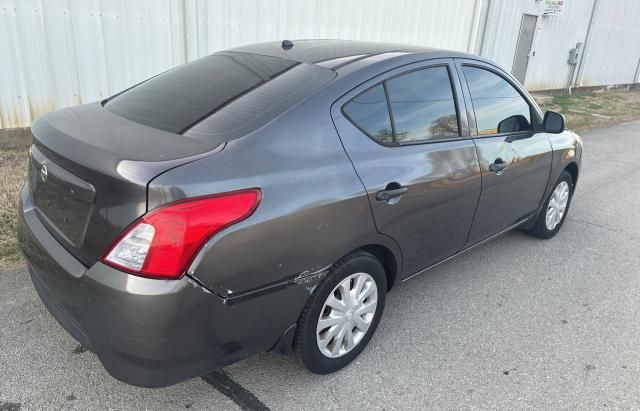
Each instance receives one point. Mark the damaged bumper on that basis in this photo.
(150, 332)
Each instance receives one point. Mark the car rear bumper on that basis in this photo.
(146, 332)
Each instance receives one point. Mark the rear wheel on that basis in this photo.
(555, 208)
(342, 314)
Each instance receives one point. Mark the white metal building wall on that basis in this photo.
(611, 56)
(556, 35)
(222, 24)
(58, 53)
(613, 52)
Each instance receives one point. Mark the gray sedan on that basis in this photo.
(269, 196)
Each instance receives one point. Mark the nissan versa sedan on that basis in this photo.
(267, 197)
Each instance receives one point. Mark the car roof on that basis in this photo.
(334, 54)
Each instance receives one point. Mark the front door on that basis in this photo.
(412, 152)
(515, 157)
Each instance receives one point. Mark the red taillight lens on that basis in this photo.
(163, 242)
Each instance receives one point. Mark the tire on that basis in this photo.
(541, 229)
(307, 339)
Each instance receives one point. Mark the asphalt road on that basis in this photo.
(519, 322)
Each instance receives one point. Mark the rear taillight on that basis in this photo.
(163, 242)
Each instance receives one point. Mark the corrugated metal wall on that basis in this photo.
(57, 53)
(611, 55)
(556, 35)
(221, 24)
(613, 52)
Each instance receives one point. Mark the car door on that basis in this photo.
(515, 155)
(413, 153)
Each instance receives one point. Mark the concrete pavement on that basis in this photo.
(519, 322)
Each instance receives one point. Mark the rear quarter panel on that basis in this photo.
(314, 209)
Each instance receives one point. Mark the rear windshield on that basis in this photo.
(226, 92)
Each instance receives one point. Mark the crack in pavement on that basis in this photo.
(613, 230)
(242, 397)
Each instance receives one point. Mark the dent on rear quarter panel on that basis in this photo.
(314, 209)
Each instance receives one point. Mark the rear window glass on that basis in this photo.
(182, 98)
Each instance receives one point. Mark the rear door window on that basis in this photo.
(420, 107)
(498, 106)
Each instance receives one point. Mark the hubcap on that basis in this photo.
(557, 205)
(346, 315)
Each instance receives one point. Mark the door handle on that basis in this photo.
(498, 166)
(391, 191)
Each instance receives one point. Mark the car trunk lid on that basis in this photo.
(89, 171)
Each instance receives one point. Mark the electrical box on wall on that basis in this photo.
(574, 54)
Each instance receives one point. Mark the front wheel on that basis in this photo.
(342, 314)
(555, 208)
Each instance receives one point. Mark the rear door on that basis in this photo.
(515, 155)
(411, 149)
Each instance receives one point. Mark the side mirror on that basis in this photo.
(513, 124)
(553, 122)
